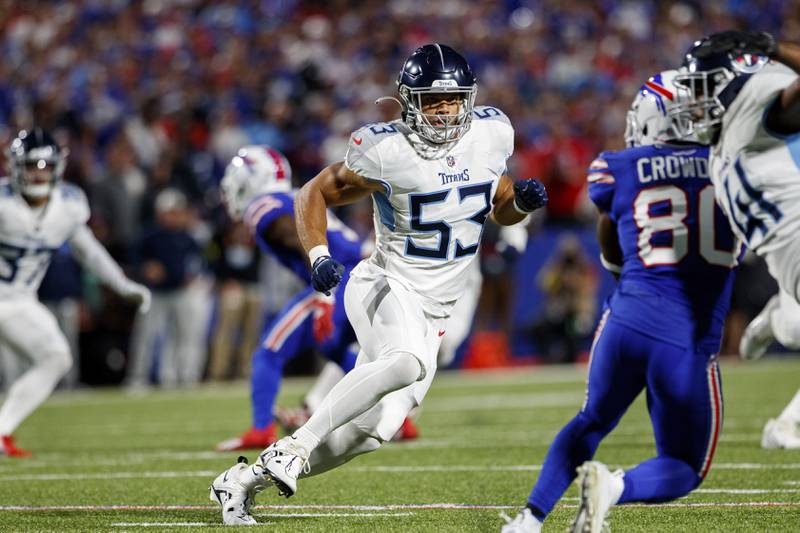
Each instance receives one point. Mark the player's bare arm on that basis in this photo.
(335, 185)
(784, 116)
(610, 250)
(513, 202)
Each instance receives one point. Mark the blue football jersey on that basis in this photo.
(344, 244)
(679, 251)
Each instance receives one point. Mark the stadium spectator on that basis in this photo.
(170, 263)
(569, 284)
(235, 263)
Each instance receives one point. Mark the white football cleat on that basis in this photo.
(235, 489)
(758, 334)
(283, 462)
(599, 490)
(780, 434)
(524, 522)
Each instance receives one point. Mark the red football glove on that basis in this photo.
(323, 319)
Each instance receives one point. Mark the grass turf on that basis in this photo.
(106, 460)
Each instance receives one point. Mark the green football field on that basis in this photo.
(110, 461)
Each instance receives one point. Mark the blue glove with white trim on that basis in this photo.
(529, 195)
(326, 273)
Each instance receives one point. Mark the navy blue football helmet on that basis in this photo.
(36, 163)
(436, 69)
(710, 78)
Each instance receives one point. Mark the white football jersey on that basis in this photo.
(430, 216)
(756, 173)
(28, 237)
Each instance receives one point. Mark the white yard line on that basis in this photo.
(376, 468)
(366, 508)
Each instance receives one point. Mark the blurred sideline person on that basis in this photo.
(435, 176)
(569, 285)
(236, 266)
(748, 108)
(257, 189)
(673, 251)
(38, 214)
(170, 262)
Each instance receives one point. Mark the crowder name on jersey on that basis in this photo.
(343, 242)
(678, 250)
(28, 237)
(430, 215)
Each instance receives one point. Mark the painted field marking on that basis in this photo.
(376, 508)
(376, 468)
(265, 515)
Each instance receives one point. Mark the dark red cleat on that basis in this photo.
(10, 449)
(252, 439)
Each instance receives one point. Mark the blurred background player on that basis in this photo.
(675, 254)
(748, 108)
(38, 214)
(435, 176)
(257, 188)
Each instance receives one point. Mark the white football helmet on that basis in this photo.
(649, 120)
(254, 170)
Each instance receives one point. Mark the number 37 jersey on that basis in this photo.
(429, 217)
(678, 249)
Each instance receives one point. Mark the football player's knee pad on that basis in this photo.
(786, 329)
(59, 361)
(407, 367)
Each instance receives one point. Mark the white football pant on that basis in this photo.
(395, 368)
(784, 265)
(29, 330)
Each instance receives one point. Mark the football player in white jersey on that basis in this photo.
(38, 214)
(744, 98)
(434, 176)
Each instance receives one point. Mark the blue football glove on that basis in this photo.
(529, 195)
(326, 273)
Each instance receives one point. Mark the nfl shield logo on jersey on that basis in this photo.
(451, 161)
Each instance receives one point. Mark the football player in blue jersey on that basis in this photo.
(257, 188)
(673, 251)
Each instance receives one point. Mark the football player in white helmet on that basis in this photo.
(743, 95)
(38, 214)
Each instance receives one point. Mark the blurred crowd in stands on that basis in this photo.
(153, 97)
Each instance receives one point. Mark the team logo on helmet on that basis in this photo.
(748, 63)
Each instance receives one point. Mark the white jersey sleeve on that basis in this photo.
(363, 156)
(499, 135)
(756, 172)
